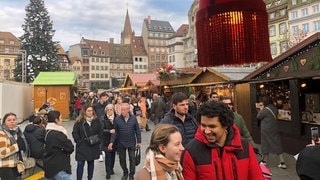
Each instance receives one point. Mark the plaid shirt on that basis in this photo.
(8, 152)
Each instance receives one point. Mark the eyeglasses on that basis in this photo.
(229, 104)
(215, 96)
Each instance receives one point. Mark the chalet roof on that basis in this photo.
(55, 78)
(60, 50)
(209, 70)
(284, 56)
(141, 79)
(137, 46)
(158, 26)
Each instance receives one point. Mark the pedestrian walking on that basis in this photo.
(58, 148)
(128, 136)
(163, 155)
(158, 109)
(180, 117)
(217, 151)
(270, 137)
(85, 133)
(108, 129)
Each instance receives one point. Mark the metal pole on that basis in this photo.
(24, 66)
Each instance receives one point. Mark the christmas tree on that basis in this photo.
(41, 50)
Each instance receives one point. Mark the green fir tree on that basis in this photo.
(37, 42)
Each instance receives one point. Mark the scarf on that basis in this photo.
(89, 120)
(111, 118)
(160, 167)
(54, 126)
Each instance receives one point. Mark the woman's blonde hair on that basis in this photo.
(160, 135)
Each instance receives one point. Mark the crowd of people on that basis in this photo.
(194, 137)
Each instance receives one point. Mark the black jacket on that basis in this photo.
(106, 135)
(187, 128)
(85, 151)
(35, 137)
(308, 163)
(57, 153)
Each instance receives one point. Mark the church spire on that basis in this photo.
(127, 32)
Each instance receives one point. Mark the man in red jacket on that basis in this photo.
(218, 152)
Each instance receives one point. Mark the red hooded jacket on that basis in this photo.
(235, 161)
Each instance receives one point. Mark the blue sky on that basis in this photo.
(94, 19)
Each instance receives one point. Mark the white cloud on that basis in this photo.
(99, 19)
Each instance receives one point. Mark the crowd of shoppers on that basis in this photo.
(203, 133)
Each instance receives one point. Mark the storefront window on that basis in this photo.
(279, 91)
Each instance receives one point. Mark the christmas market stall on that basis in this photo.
(292, 81)
(55, 88)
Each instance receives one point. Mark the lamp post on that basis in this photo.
(24, 66)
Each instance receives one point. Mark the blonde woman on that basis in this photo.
(87, 125)
(163, 155)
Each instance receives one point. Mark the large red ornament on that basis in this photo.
(231, 32)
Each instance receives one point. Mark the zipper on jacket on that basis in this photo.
(216, 170)
(234, 168)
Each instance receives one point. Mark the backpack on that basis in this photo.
(137, 110)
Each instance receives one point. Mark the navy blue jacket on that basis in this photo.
(127, 133)
(187, 128)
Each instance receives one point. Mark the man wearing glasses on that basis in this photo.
(239, 121)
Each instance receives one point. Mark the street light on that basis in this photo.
(24, 66)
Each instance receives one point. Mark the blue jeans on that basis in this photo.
(123, 162)
(80, 167)
(109, 161)
(62, 175)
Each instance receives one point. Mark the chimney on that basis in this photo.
(111, 40)
(149, 19)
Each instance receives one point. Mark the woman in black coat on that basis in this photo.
(108, 129)
(58, 148)
(35, 134)
(86, 125)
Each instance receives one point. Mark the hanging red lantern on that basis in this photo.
(232, 32)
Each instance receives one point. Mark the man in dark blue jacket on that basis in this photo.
(179, 117)
(128, 137)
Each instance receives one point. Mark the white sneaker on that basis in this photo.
(103, 154)
(101, 158)
(283, 166)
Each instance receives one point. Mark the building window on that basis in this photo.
(97, 75)
(294, 2)
(11, 42)
(92, 67)
(136, 66)
(283, 12)
(93, 76)
(272, 30)
(93, 59)
(102, 76)
(294, 14)
(305, 27)
(272, 15)
(97, 68)
(295, 29)
(283, 46)
(7, 62)
(106, 75)
(315, 9)
(316, 25)
(304, 12)
(1, 41)
(282, 28)
(273, 48)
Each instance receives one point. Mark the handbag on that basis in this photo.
(92, 140)
(20, 167)
(29, 162)
(137, 156)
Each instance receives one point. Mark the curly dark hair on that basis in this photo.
(212, 109)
